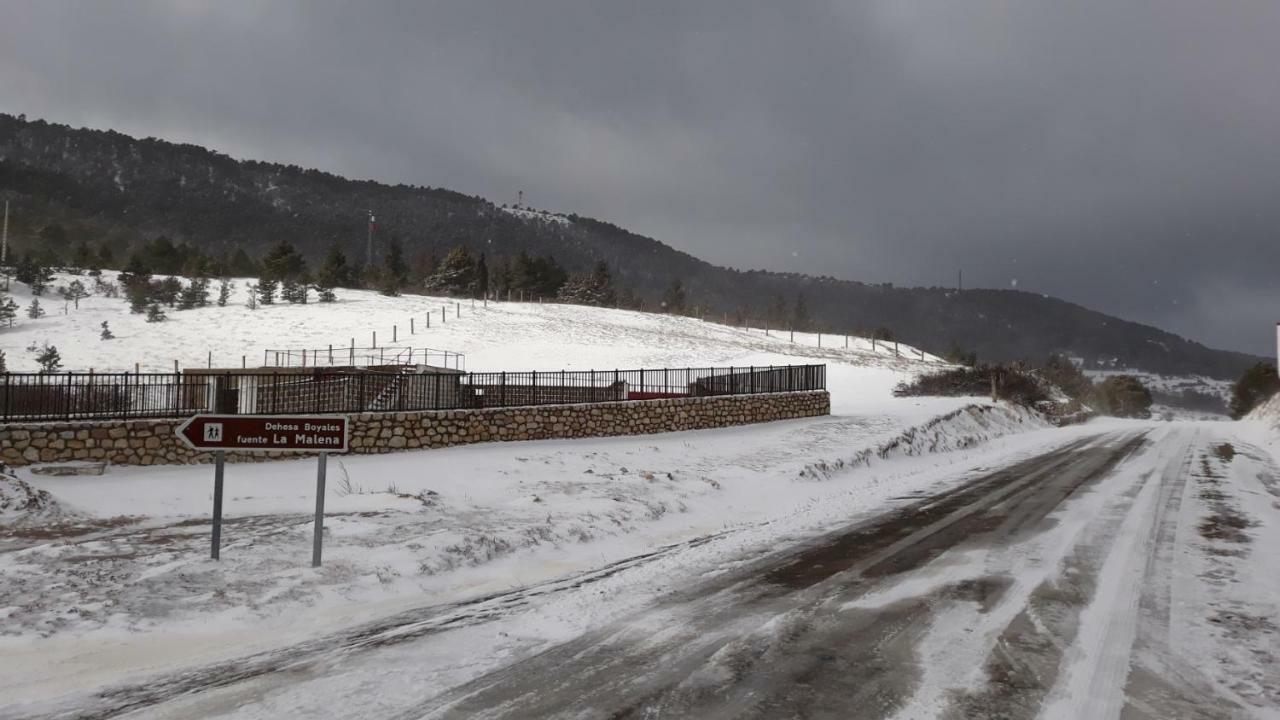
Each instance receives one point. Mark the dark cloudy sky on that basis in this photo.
(1124, 154)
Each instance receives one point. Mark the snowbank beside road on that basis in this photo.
(1268, 412)
(961, 429)
(22, 504)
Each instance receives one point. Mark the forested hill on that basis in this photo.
(71, 187)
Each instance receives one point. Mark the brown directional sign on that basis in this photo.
(318, 433)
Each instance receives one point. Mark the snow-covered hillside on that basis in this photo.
(417, 528)
(499, 336)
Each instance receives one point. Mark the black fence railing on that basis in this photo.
(89, 396)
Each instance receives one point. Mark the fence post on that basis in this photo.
(411, 330)
(8, 395)
(752, 374)
(732, 382)
(375, 338)
(210, 359)
(66, 401)
(428, 319)
(641, 379)
(395, 333)
(264, 358)
(330, 353)
(503, 396)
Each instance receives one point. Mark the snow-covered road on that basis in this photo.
(1113, 572)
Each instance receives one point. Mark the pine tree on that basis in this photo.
(224, 291)
(266, 291)
(334, 272)
(166, 291)
(155, 313)
(136, 281)
(593, 288)
(295, 289)
(8, 311)
(800, 320)
(34, 311)
(50, 360)
(778, 312)
(106, 257)
(76, 292)
(456, 274)
(40, 280)
(673, 300)
(394, 270)
(282, 264)
(482, 277)
(82, 255)
(106, 332)
(195, 294)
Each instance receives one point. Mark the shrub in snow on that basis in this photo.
(8, 311)
(1255, 387)
(224, 291)
(155, 313)
(1123, 396)
(50, 359)
(74, 292)
(34, 311)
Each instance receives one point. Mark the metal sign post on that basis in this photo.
(321, 462)
(219, 458)
(249, 433)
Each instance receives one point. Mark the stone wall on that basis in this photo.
(154, 442)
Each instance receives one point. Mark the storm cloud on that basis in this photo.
(1123, 155)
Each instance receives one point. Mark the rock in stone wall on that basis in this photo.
(154, 442)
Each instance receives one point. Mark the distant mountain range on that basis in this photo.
(111, 188)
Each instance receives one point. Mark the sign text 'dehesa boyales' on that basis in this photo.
(327, 433)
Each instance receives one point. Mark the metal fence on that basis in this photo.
(85, 396)
(363, 357)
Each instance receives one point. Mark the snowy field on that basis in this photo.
(502, 336)
(469, 571)
(129, 575)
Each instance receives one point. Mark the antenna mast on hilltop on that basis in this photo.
(4, 238)
(519, 198)
(368, 243)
